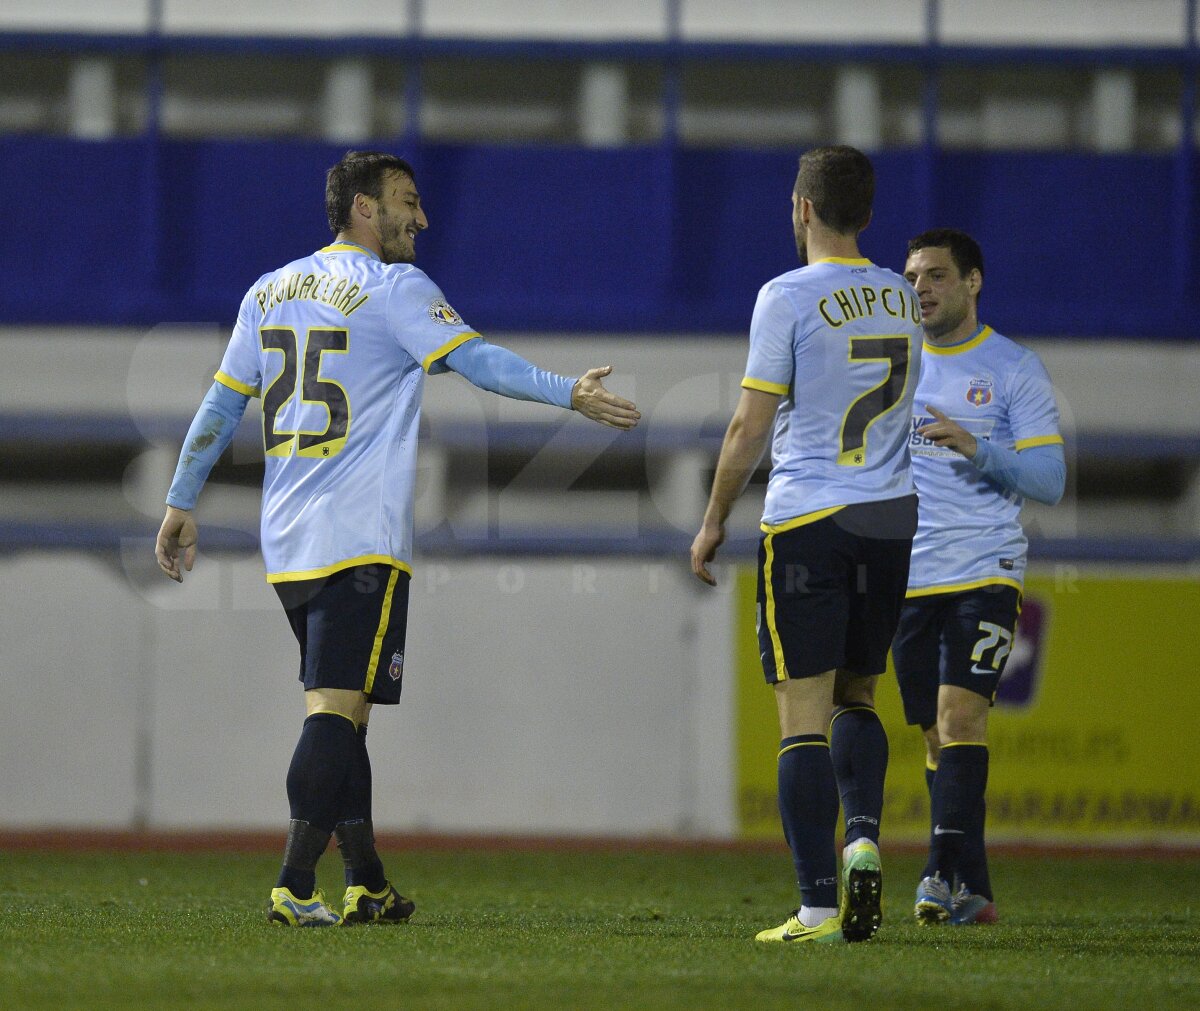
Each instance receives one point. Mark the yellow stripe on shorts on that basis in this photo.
(384, 617)
(780, 664)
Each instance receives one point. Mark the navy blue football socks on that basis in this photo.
(355, 832)
(930, 776)
(356, 840)
(858, 746)
(356, 793)
(315, 780)
(324, 755)
(808, 806)
(305, 844)
(972, 863)
(958, 790)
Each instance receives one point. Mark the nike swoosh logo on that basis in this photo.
(976, 669)
(948, 831)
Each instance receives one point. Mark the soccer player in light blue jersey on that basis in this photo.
(835, 350)
(338, 344)
(984, 438)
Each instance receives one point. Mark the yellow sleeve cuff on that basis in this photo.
(445, 349)
(1039, 440)
(236, 385)
(779, 389)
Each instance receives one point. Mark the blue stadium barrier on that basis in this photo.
(638, 239)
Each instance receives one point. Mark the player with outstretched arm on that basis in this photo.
(986, 437)
(338, 344)
(835, 350)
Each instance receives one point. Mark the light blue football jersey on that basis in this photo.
(840, 340)
(337, 344)
(969, 531)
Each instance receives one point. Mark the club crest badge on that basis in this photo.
(979, 392)
(396, 667)
(440, 311)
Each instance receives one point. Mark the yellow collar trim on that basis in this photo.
(845, 260)
(346, 247)
(958, 349)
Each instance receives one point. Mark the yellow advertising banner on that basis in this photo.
(1094, 735)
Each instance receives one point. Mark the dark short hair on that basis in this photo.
(358, 172)
(840, 182)
(964, 250)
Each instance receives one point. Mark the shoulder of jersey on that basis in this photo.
(403, 271)
(1026, 358)
(893, 276)
(809, 270)
(998, 344)
(792, 278)
(301, 263)
(1018, 349)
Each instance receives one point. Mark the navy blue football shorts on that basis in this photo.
(962, 638)
(830, 591)
(351, 627)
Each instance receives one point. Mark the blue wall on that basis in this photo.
(522, 238)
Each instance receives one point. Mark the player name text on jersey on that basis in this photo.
(855, 302)
(334, 291)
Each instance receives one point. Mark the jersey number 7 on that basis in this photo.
(879, 399)
(314, 389)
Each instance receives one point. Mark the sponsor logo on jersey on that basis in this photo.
(396, 667)
(440, 311)
(920, 445)
(979, 392)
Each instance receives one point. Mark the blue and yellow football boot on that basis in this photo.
(934, 903)
(826, 932)
(387, 906)
(862, 890)
(285, 908)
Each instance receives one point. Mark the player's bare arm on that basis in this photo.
(176, 537)
(947, 432)
(593, 401)
(745, 442)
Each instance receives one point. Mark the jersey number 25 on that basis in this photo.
(314, 389)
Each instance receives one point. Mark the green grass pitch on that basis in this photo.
(587, 928)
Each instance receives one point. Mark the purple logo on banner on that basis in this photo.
(1022, 673)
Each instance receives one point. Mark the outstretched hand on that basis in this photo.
(947, 432)
(593, 401)
(177, 533)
